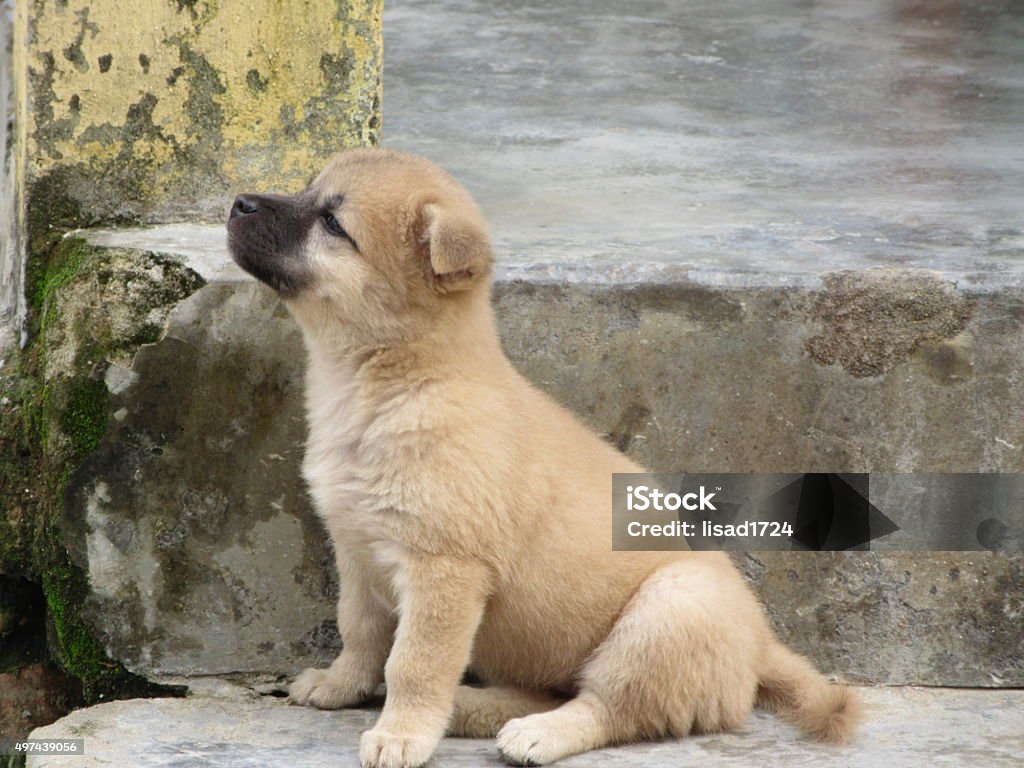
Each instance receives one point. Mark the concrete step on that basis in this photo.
(227, 728)
(204, 557)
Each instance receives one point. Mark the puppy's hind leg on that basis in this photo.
(577, 726)
(480, 712)
(681, 658)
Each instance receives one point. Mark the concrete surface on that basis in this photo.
(906, 728)
(758, 143)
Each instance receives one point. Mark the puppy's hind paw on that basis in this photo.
(324, 689)
(380, 749)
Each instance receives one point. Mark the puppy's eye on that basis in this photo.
(334, 227)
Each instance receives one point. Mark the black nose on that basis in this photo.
(243, 206)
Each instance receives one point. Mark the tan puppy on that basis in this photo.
(471, 515)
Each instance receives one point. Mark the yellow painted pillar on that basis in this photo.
(161, 110)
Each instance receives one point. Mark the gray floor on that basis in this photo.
(755, 142)
(904, 727)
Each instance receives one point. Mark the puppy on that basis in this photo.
(471, 515)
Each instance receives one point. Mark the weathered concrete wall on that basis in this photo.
(204, 556)
(161, 111)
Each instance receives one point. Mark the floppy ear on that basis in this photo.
(458, 249)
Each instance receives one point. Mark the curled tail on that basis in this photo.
(791, 687)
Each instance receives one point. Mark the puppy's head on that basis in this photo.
(380, 247)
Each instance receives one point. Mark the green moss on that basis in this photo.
(53, 263)
(80, 653)
(73, 645)
(84, 419)
(50, 270)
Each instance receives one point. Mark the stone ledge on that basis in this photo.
(204, 248)
(231, 728)
(195, 481)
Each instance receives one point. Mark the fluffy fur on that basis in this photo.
(471, 515)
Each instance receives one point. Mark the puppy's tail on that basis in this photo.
(791, 687)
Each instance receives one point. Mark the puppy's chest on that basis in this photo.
(361, 463)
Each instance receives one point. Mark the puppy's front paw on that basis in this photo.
(380, 749)
(326, 689)
(526, 741)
